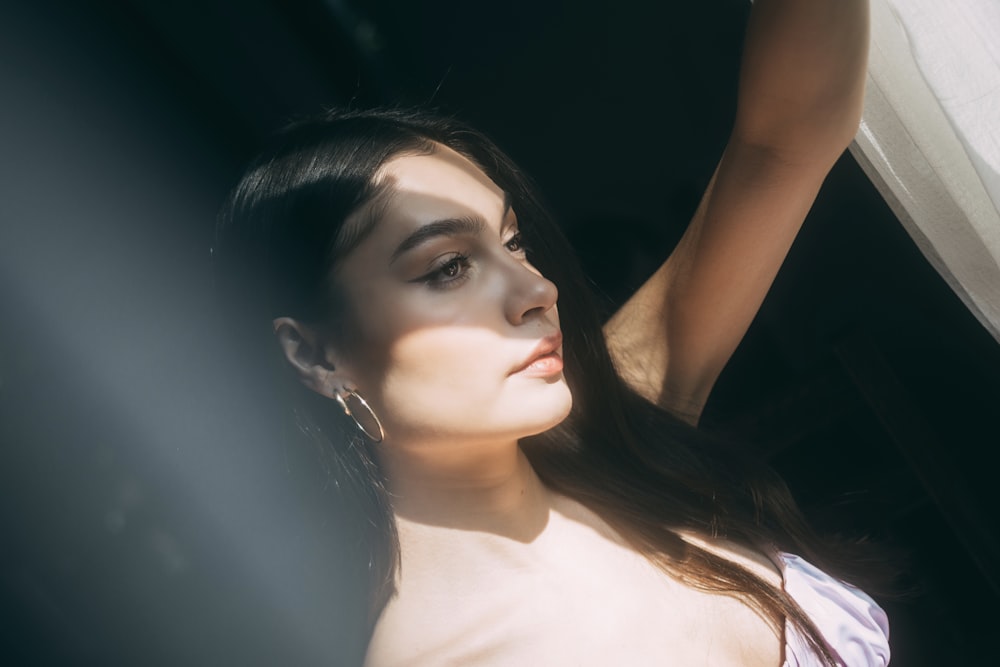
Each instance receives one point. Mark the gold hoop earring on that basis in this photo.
(353, 394)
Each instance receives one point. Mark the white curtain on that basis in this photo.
(930, 136)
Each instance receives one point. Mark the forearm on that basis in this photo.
(801, 92)
(802, 76)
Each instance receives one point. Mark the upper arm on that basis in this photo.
(671, 340)
(799, 105)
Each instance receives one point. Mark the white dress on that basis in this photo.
(852, 623)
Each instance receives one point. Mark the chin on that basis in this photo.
(549, 410)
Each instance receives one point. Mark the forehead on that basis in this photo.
(414, 190)
(442, 184)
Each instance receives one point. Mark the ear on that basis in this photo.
(313, 359)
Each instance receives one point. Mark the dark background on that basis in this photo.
(146, 518)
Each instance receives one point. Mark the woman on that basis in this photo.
(513, 490)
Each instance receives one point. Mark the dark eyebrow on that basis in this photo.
(448, 227)
(471, 225)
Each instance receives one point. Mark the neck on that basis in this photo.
(495, 491)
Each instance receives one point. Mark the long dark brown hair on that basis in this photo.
(643, 470)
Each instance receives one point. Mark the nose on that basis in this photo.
(532, 295)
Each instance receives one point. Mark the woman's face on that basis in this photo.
(453, 335)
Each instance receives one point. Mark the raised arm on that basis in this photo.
(799, 105)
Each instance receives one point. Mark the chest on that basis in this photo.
(583, 599)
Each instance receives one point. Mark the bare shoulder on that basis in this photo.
(408, 633)
(754, 560)
(457, 597)
(578, 595)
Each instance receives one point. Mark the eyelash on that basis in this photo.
(439, 278)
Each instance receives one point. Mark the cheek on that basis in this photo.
(406, 332)
(438, 367)
(440, 383)
(452, 363)
(454, 382)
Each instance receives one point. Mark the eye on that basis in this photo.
(450, 273)
(451, 269)
(515, 244)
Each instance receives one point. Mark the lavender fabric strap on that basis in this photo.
(851, 622)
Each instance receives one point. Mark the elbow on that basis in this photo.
(797, 123)
(816, 138)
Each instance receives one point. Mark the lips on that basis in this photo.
(545, 359)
